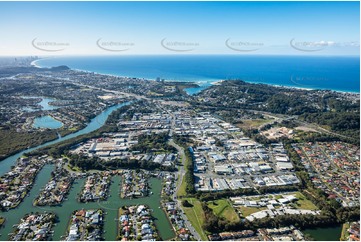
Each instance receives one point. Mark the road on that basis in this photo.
(281, 117)
(181, 173)
(320, 129)
(126, 94)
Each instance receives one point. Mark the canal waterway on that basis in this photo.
(110, 206)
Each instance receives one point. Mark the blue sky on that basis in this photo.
(73, 28)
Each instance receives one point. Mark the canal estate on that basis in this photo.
(110, 206)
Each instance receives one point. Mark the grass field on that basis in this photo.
(223, 208)
(2, 220)
(72, 168)
(182, 189)
(196, 216)
(246, 211)
(303, 203)
(345, 233)
(253, 123)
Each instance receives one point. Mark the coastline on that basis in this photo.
(33, 63)
(209, 82)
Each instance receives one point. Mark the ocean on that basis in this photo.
(310, 72)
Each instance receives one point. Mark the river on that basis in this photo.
(111, 205)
